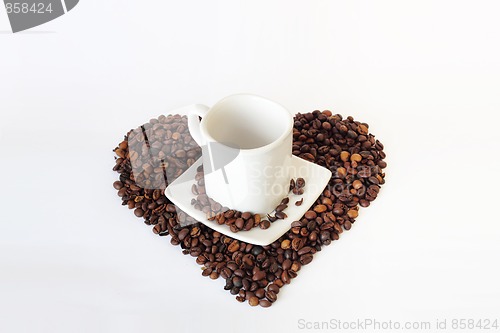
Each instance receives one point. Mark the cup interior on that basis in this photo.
(247, 122)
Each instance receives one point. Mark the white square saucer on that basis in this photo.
(316, 177)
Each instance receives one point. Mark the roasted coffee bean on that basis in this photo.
(259, 275)
(260, 293)
(246, 283)
(285, 277)
(256, 250)
(304, 250)
(306, 258)
(347, 225)
(295, 266)
(264, 224)
(344, 156)
(285, 244)
(265, 303)
(253, 301)
(287, 263)
(310, 215)
(357, 184)
(249, 224)
(239, 223)
(225, 273)
(338, 210)
(341, 172)
(271, 296)
(274, 288)
(281, 207)
(320, 208)
(352, 213)
(356, 158)
(297, 243)
(311, 225)
(195, 251)
(206, 272)
(280, 215)
(183, 233)
(300, 182)
(246, 215)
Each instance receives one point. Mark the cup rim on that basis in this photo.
(251, 151)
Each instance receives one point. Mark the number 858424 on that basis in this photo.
(25, 8)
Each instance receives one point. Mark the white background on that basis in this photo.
(423, 74)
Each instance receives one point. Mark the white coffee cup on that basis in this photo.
(247, 150)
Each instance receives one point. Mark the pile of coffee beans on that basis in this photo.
(236, 220)
(257, 273)
(148, 158)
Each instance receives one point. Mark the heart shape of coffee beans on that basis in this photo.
(253, 273)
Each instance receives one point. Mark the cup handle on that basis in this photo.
(195, 111)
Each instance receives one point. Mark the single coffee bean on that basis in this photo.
(206, 272)
(310, 215)
(239, 223)
(300, 182)
(281, 215)
(248, 225)
(253, 301)
(285, 277)
(183, 233)
(274, 288)
(259, 275)
(286, 264)
(246, 215)
(285, 244)
(260, 293)
(265, 303)
(320, 208)
(351, 134)
(281, 207)
(296, 244)
(306, 258)
(264, 224)
(271, 296)
(304, 250)
(295, 266)
(344, 156)
(356, 158)
(139, 212)
(357, 184)
(352, 213)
